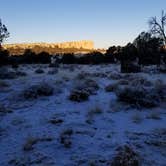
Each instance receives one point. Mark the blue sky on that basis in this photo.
(106, 22)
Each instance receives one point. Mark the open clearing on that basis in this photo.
(67, 117)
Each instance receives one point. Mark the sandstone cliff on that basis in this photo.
(52, 48)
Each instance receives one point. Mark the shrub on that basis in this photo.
(82, 76)
(115, 76)
(4, 110)
(65, 138)
(160, 89)
(3, 84)
(43, 57)
(4, 57)
(138, 96)
(111, 87)
(20, 73)
(88, 85)
(91, 86)
(123, 82)
(157, 138)
(69, 59)
(91, 113)
(35, 91)
(30, 57)
(143, 93)
(39, 71)
(128, 67)
(140, 81)
(6, 74)
(79, 96)
(31, 141)
(55, 120)
(125, 156)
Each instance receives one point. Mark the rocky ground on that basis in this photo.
(85, 115)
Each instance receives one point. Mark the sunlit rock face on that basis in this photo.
(77, 44)
(15, 49)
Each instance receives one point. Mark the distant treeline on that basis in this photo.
(145, 50)
(30, 57)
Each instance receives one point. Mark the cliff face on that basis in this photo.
(18, 49)
(77, 44)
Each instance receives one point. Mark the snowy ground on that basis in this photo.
(31, 131)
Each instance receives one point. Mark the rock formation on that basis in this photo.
(77, 44)
(17, 49)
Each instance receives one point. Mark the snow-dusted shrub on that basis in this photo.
(65, 138)
(3, 84)
(35, 91)
(2, 131)
(88, 85)
(10, 74)
(111, 87)
(78, 95)
(91, 113)
(160, 89)
(123, 82)
(20, 73)
(157, 138)
(86, 75)
(31, 141)
(102, 75)
(115, 76)
(125, 156)
(140, 81)
(82, 76)
(4, 110)
(39, 71)
(143, 93)
(91, 86)
(130, 68)
(91, 160)
(36, 160)
(6, 74)
(114, 86)
(138, 96)
(17, 121)
(55, 120)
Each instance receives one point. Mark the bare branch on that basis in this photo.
(158, 27)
